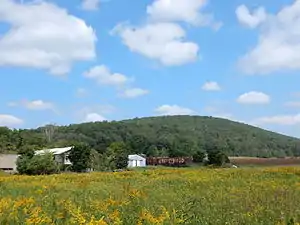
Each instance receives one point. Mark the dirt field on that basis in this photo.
(248, 161)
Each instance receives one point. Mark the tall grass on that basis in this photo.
(162, 196)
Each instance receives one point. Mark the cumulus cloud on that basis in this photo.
(161, 38)
(93, 117)
(81, 92)
(104, 76)
(249, 19)
(293, 104)
(173, 110)
(93, 113)
(38, 105)
(285, 120)
(134, 92)
(254, 97)
(34, 105)
(44, 36)
(189, 11)
(9, 120)
(278, 46)
(164, 42)
(211, 86)
(90, 4)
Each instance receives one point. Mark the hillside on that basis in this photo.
(168, 135)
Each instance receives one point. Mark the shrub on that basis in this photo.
(80, 157)
(199, 157)
(117, 154)
(114, 158)
(217, 158)
(37, 164)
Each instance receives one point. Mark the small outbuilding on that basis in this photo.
(8, 162)
(136, 161)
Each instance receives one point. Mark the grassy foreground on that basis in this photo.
(162, 196)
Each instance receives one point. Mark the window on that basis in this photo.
(6, 169)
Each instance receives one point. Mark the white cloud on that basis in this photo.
(12, 104)
(293, 104)
(164, 42)
(249, 19)
(215, 112)
(211, 86)
(286, 120)
(296, 94)
(38, 105)
(90, 4)
(189, 11)
(94, 117)
(134, 92)
(44, 36)
(227, 116)
(9, 120)
(278, 47)
(103, 75)
(93, 112)
(254, 97)
(173, 110)
(81, 92)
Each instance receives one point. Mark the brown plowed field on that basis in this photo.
(244, 161)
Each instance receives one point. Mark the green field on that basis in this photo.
(157, 196)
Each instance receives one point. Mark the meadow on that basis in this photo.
(157, 196)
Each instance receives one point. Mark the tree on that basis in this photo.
(37, 164)
(217, 158)
(199, 157)
(23, 151)
(157, 136)
(49, 132)
(80, 157)
(117, 155)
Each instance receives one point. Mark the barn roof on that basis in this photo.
(55, 151)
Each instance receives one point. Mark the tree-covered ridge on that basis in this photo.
(159, 136)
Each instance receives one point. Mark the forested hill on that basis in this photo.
(168, 135)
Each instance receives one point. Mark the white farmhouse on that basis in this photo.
(60, 154)
(136, 161)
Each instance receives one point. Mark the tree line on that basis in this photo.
(83, 158)
(171, 136)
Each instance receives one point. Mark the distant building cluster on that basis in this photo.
(8, 161)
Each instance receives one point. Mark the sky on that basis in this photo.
(66, 62)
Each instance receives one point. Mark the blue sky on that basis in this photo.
(69, 62)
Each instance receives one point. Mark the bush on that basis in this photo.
(199, 157)
(114, 158)
(217, 158)
(117, 154)
(37, 164)
(80, 157)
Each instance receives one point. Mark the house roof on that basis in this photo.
(8, 160)
(55, 151)
(135, 157)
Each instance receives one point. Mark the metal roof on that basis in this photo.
(55, 151)
(136, 157)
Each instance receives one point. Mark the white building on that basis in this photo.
(8, 162)
(60, 154)
(136, 161)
